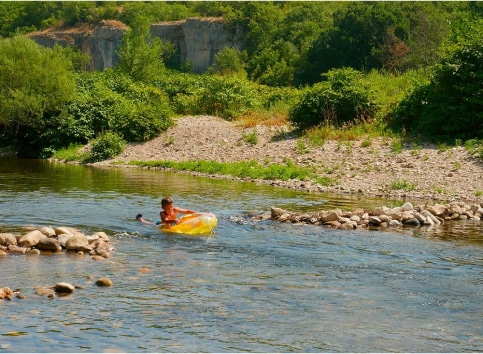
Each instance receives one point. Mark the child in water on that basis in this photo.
(169, 214)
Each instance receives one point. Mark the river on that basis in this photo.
(256, 286)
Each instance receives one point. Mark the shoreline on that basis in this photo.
(415, 173)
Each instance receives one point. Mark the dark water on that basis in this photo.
(252, 286)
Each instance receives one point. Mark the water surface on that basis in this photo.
(252, 286)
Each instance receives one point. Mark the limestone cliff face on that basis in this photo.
(101, 43)
(197, 40)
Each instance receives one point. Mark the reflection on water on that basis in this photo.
(253, 286)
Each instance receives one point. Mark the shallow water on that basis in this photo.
(252, 286)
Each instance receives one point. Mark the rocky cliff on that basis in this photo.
(197, 40)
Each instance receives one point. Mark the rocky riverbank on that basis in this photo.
(383, 217)
(367, 167)
(64, 238)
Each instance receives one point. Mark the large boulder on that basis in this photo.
(7, 239)
(331, 215)
(77, 243)
(438, 210)
(65, 230)
(47, 231)
(31, 239)
(49, 244)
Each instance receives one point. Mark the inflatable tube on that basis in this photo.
(192, 224)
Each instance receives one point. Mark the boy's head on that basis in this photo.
(166, 201)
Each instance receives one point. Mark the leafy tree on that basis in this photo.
(78, 12)
(35, 84)
(141, 57)
(451, 105)
(229, 60)
(430, 24)
(110, 101)
(357, 39)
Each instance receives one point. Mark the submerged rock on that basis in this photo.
(104, 282)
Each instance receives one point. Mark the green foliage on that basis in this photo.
(106, 146)
(226, 96)
(154, 12)
(451, 105)
(404, 185)
(244, 169)
(251, 138)
(34, 81)
(229, 60)
(142, 57)
(112, 101)
(475, 147)
(342, 99)
(390, 89)
(74, 152)
(35, 85)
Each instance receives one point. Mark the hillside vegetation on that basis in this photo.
(407, 69)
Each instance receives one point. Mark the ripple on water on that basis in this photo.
(252, 286)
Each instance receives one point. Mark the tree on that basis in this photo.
(35, 83)
(230, 60)
(142, 57)
(451, 105)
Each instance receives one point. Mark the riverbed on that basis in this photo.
(251, 286)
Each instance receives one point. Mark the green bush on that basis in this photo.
(343, 98)
(35, 85)
(227, 96)
(451, 105)
(111, 101)
(106, 146)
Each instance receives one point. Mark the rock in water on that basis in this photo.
(65, 288)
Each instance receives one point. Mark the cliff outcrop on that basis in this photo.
(197, 40)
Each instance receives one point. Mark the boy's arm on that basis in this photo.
(185, 211)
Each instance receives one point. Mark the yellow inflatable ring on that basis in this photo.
(192, 224)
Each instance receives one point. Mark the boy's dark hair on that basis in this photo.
(166, 201)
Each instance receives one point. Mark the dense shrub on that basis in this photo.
(106, 146)
(113, 101)
(451, 105)
(227, 96)
(35, 84)
(343, 98)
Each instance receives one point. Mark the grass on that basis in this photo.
(397, 146)
(75, 152)
(251, 138)
(274, 117)
(404, 185)
(302, 147)
(244, 169)
(475, 147)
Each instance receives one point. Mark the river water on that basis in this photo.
(251, 286)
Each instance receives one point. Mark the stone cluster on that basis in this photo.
(381, 217)
(59, 289)
(47, 239)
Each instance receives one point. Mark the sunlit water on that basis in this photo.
(252, 286)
